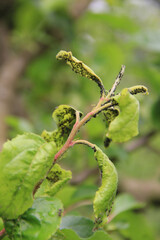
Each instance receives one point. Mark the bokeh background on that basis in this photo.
(104, 34)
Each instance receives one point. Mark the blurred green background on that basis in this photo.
(104, 34)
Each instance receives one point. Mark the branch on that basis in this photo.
(143, 190)
(139, 142)
(10, 72)
(153, 149)
(117, 82)
(4, 43)
(77, 126)
(85, 142)
(76, 205)
(84, 175)
(78, 8)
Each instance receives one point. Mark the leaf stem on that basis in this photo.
(117, 82)
(85, 142)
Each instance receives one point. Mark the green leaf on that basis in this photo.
(65, 195)
(138, 227)
(54, 181)
(99, 235)
(6, 238)
(65, 118)
(110, 114)
(39, 222)
(84, 192)
(1, 224)
(69, 234)
(82, 226)
(125, 125)
(81, 68)
(18, 125)
(125, 202)
(106, 193)
(23, 162)
(58, 236)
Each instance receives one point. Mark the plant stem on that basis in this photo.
(2, 232)
(85, 142)
(117, 82)
(77, 126)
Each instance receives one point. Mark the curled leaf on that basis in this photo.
(138, 89)
(125, 125)
(81, 68)
(65, 118)
(54, 181)
(105, 195)
(109, 115)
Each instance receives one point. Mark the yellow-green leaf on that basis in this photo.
(23, 162)
(81, 68)
(55, 180)
(65, 118)
(106, 193)
(125, 125)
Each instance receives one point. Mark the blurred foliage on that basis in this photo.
(107, 34)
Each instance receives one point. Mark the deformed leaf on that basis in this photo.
(39, 222)
(23, 162)
(125, 125)
(105, 195)
(138, 89)
(65, 118)
(54, 181)
(81, 68)
(110, 114)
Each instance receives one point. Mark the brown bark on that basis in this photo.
(78, 8)
(139, 142)
(10, 72)
(143, 190)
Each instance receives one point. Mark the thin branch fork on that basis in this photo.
(77, 126)
(117, 82)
